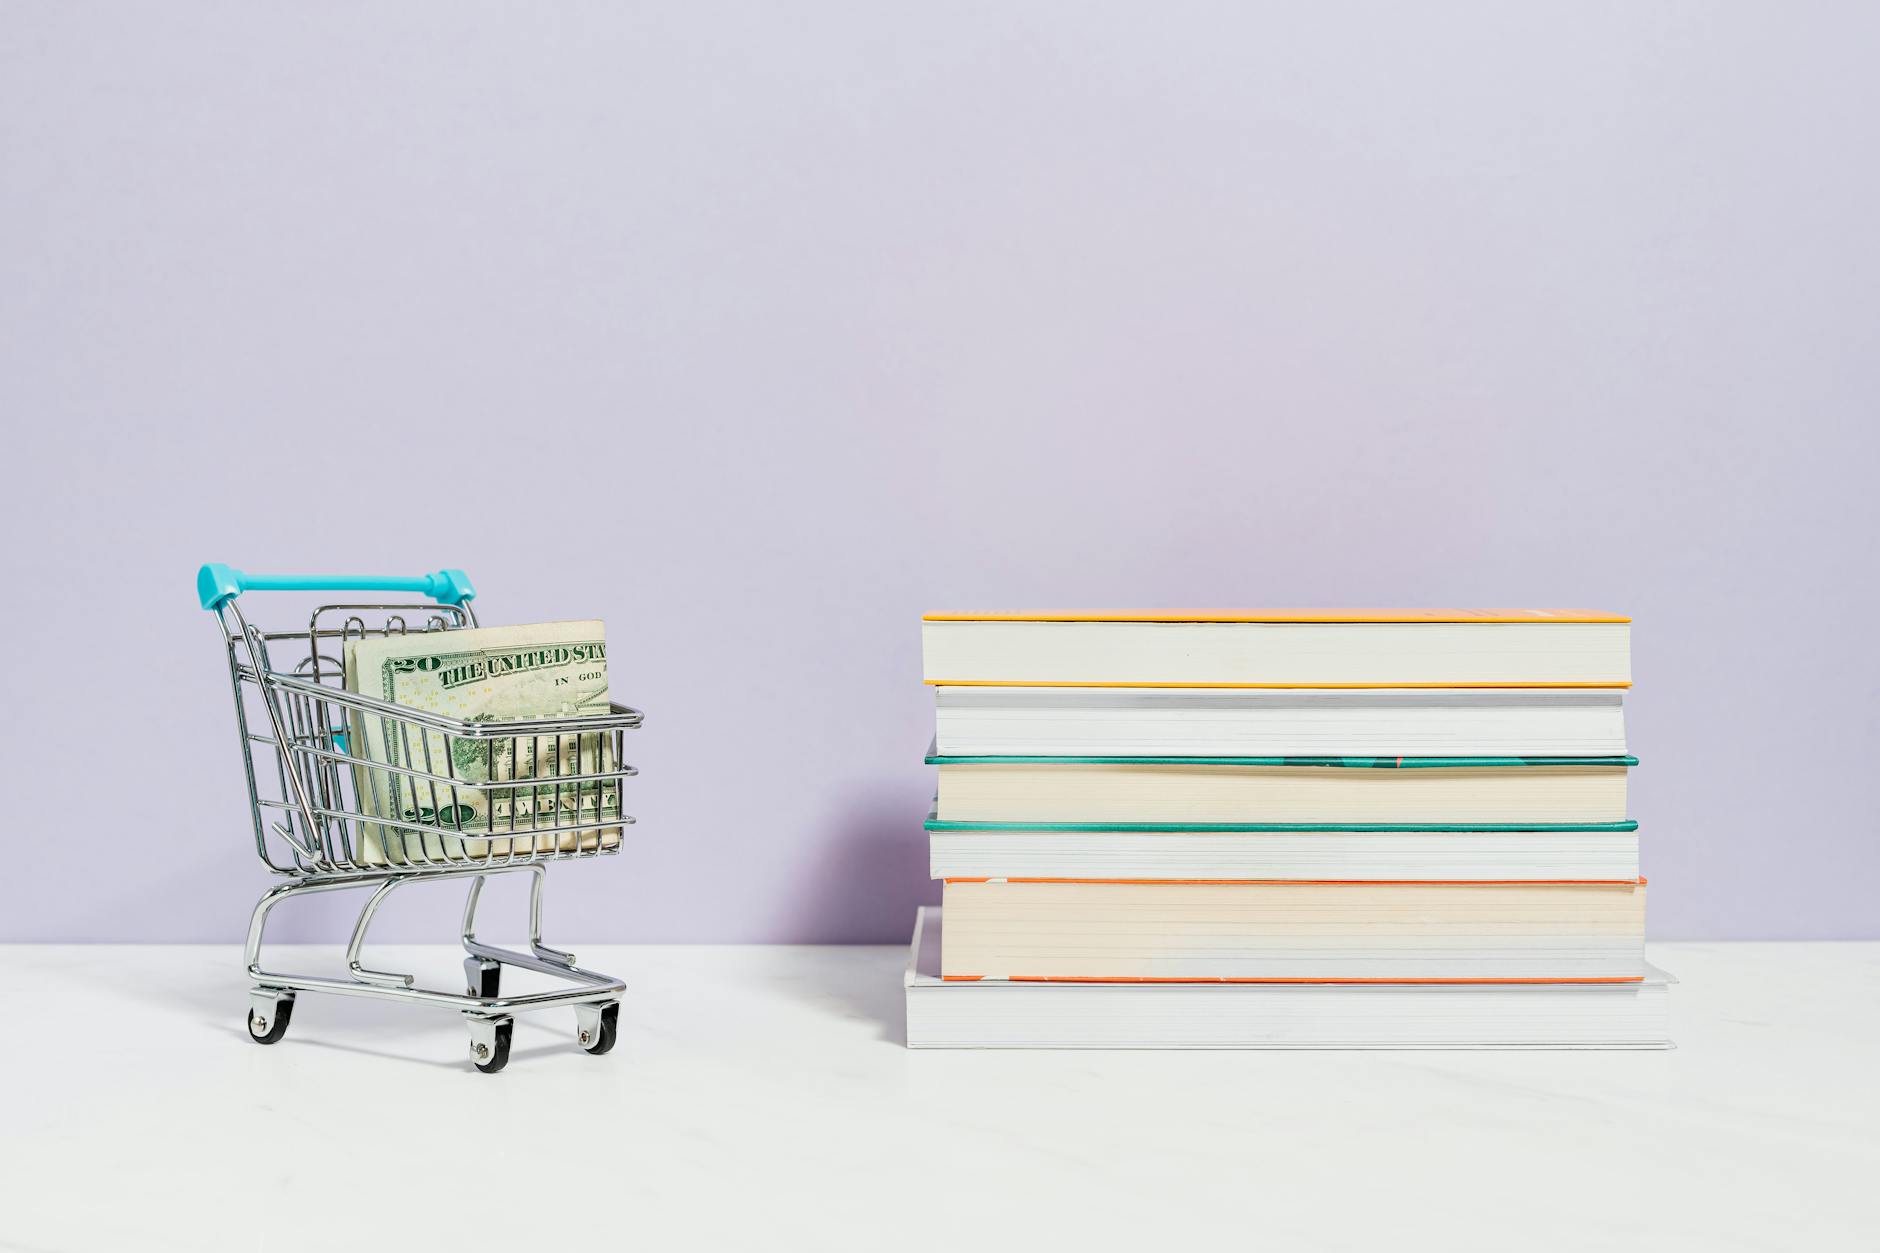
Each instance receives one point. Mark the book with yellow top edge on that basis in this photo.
(1306, 648)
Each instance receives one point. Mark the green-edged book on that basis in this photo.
(1604, 852)
(1343, 792)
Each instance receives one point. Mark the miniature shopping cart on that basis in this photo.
(453, 798)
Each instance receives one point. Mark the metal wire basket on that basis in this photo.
(347, 791)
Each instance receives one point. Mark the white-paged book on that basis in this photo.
(1279, 648)
(1259, 722)
(943, 1014)
(963, 851)
(1294, 931)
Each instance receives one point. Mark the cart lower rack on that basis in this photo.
(349, 791)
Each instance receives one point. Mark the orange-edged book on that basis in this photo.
(996, 1013)
(1293, 932)
(1281, 648)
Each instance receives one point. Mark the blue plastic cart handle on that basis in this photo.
(217, 585)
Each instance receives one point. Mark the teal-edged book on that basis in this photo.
(1348, 793)
(1355, 852)
(1255, 722)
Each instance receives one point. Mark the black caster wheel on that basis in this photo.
(492, 1057)
(485, 978)
(609, 1032)
(269, 1028)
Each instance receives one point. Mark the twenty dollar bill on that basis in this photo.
(442, 789)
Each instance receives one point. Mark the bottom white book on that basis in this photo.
(1001, 1014)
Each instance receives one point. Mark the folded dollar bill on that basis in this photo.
(483, 674)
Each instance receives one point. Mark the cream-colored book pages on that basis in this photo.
(977, 853)
(1156, 792)
(996, 1014)
(1279, 722)
(1334, 931)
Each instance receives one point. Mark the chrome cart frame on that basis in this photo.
(349, 791)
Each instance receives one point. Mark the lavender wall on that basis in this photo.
(759, 329)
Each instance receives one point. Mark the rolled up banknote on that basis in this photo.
(483, 674)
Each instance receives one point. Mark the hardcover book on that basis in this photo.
(1324, 790)
(1280, 648)
(1594, 853)
(997, 720)
(1407, 932)
(993, 1014)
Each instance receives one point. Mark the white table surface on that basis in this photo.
(760, 1097)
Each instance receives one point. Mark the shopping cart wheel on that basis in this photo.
(266, 1025)
(597, 1032)
(489, 1043)
(484, 977)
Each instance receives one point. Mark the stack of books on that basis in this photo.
(1282, 828)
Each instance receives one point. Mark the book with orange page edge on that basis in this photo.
(1214, 1016)
(1283, 615)
(1484, 883)
(1286, 617)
